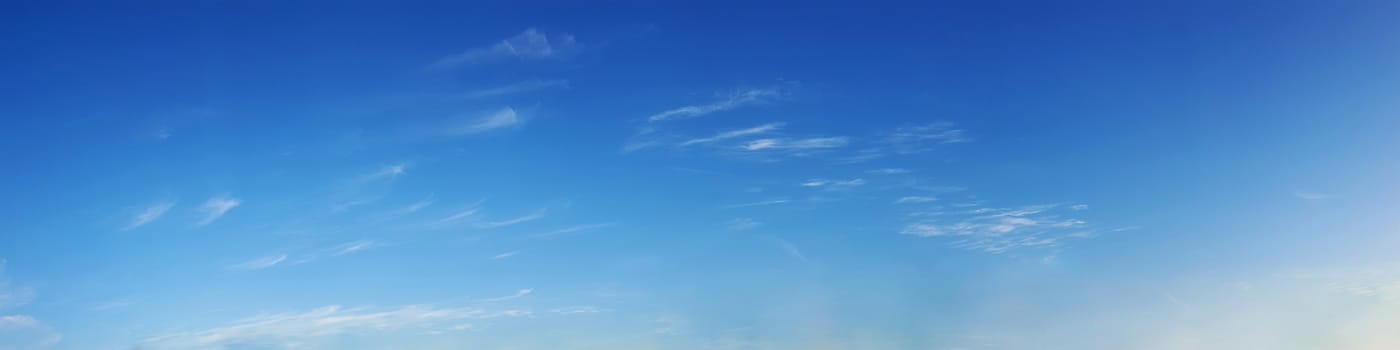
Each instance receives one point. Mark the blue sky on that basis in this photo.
(957, 175)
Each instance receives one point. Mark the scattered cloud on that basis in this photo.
(572, 229)
(997, 230)
(757, 130)
(538, 214)
(1078, 207)
(888, 171)
(575, 310)
(759, 203)
(17, 322)
(530, 45)
(518, 87)
(503, 118)
(150, 214)
(387, 172)
(790, 249)
(26, 332)
(742, 224)
(518, 294)
(1311, 196)
(457, 217)
(918, 138)
(915, 199)
(504, 255)
(821, 183)
(353, 247)
(287, 330)
(216, 207)
(816, 143)
(731, 100)
(259, 263)
(12, 296)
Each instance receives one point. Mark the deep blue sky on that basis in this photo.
(943, 175)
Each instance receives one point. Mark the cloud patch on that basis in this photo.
(731, 100)
(150, 214)
(500, 119)
(530, 45)
(216, 207)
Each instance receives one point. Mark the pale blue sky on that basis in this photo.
(1082, 175)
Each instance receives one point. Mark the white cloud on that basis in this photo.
(518, 87)
(150, 214)
(9, 322)
(11, 296)
(889, 171)
(503, 118)
(820, 183)
(574, 310)
(729, 101)
(1312, 196)
(917, 138)
(26, 332)
(997, 230)
(387, 172)
(216, 207)
(759, 203)
(353, 247)
(530, 45)
(289, 329)
(790, 249)
(503, 223)
(742, 224)
(260, 263)
(504, 255)
(815, 143)
(915, 199)
(572, 229)
(455, 217)
(761, 129)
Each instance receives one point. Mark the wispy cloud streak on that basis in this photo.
(216, 207)
(150, 214)
(519, 87)
(729, 101)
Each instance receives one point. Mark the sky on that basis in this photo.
(956, 175)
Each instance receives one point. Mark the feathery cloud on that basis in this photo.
(889, 171)
(518, 87)
(353, 247)
(820, 183)
(758, 204)
(572, 229)
(387, 172)
(11, 296)
(286, 329)
(998, 230)
(917, 138)
(260, 263)
(503, 118)
(729, 101)
(455, 217)
(504, 255)
(815, 143)
(216, 207)
(17, 322)
(915, 199)
(512, 221)
(150, 214)
(761, 129)
(742, 224)
(530, 45)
